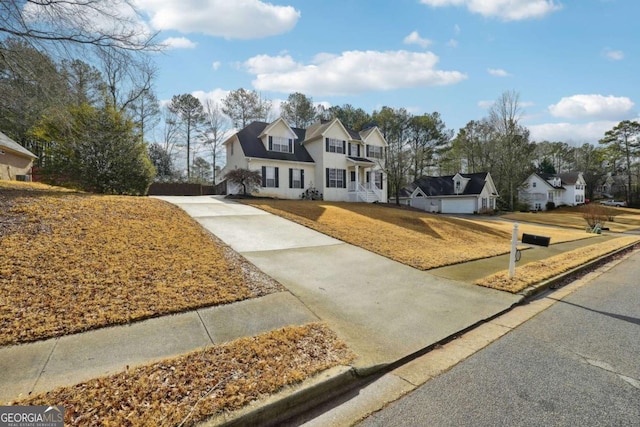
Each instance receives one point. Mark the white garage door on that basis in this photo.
(467, 206)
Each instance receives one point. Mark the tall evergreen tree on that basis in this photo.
(190, 113)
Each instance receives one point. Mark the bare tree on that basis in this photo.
(99, 23)
(215, 131)
(514, 152)
(128, 76)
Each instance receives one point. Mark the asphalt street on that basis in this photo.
(576, 363)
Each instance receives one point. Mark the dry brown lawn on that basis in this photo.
(625, 219)
(72, 262)
(537, 271)
(190, 388)
(419, 239)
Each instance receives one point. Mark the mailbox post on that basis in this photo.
(514, 248)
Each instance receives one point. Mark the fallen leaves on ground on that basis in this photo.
(535, 272)
(73, 261)
(192, 387)
(419, 239)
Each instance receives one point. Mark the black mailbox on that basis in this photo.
(536, 240)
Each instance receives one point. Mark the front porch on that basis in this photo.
(365, 184)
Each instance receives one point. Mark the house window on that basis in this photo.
(377, 176)
(537, 207)
(533, 184)
(374, 152)
(231, 148)
(335, 145)
(270, 176)
(296, 178)
(280, 144)
(457, 186)
(484, 203)
(550, 196)
(336, 178)
(354, 150)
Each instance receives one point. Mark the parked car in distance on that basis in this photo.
(614, 203)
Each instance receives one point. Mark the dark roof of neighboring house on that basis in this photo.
(252, 146)
(569, 178)
(10, 144)
(444, 185)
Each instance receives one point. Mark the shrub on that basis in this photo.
(595, 213)
(550, 206)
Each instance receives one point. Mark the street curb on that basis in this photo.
(545, 285)
(291, 401)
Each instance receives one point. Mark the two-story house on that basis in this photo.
(338, 162)
(560, 189)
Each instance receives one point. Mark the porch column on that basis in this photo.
(357, 178)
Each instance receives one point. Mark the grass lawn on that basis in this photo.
(537, 271)
(73, 261)
(625, 218)
(419, 239)
(192, 387)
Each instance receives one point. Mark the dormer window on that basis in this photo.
(533, 184)
(458, 185)
(280, 144)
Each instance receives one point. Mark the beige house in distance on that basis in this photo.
(15, 160)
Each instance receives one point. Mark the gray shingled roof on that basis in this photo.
(9, 144)
(433, 186)
(252, 146)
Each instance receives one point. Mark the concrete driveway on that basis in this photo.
(384, 310)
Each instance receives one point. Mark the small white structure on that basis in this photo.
(566, 189)
(460, 193)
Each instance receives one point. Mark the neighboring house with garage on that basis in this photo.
(462, 193)
(338, 162)
(15, 160)
(539, 189)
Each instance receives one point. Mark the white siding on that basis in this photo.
(283, 191)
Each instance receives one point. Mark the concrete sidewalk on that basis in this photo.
(384, 310)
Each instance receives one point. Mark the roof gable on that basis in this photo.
(279, 123)
(323, 128)
(11, 145)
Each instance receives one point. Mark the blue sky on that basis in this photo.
(574, 63)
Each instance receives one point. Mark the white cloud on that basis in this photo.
(262, 64)
(414, 38)
(216, 65)
(216, 95)
(593, 106)
(350, 72)
(178, 43)
(614, 55)
(577, 133)
(508, 10)
(456, 29)
(452, 43)
(486, 104)
(497, 72)
(238, 19)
